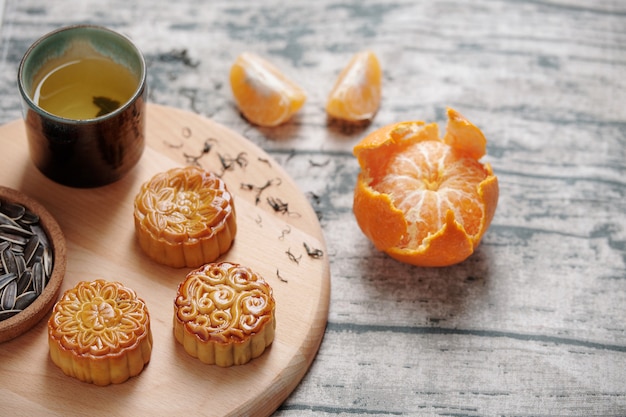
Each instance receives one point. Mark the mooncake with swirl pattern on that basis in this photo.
(185, 217)
(224, 314)
(99, 332)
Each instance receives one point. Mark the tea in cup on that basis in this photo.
(84, 92)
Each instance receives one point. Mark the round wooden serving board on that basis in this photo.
(274, 225)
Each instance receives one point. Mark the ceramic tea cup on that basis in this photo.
(84, 94)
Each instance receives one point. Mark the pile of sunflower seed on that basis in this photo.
(26, 258)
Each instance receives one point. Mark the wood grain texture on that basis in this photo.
(533, 323)
(101, 243)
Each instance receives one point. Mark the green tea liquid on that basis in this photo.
(83, 87)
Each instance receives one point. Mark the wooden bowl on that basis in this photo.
(21, 322)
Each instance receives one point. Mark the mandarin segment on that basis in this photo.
(377, 148)
(357, 93)
(422, 199)
(185, 217)
(448, 246)
(224, 314)
(99, 332)
(264, 95)
(464, 136)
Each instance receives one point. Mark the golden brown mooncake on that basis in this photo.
(99, 332)
(185, 217)
(224, 314)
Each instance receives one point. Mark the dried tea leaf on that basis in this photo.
(106, 105)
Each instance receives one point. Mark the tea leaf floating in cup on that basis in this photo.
(106, 105)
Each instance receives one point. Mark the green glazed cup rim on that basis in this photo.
(105, 41)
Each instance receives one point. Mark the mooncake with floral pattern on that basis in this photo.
(185, 217)
(224, 314)
(99, 332)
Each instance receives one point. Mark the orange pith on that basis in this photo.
(356, 94)
(422, 199)
(264, 95)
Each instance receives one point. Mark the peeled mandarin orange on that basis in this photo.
(263, 94)
(422, 199)
(356, 94)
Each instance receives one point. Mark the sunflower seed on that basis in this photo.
(15, 230)
(30, 248)
(17, 249)
(8, 261)
(24, 281)
(29, 218)
(24, 300)
(48, 261)
(4, 219)
(21, 263)
(9, 294)
(6, 279)
(13, 238)
(12, 211)
(39, 278)
(37, 230)
(36, 257)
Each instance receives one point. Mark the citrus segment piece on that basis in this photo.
(420, 199)
(451, 244)
(462, 135)
(376, 149)
(356, 94)
(264, 95)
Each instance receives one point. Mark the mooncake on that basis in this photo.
(224, 314)
(185, 217)
(99, 332)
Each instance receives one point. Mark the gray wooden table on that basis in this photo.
(534, 322)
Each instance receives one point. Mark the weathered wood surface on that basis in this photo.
(534, 322)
